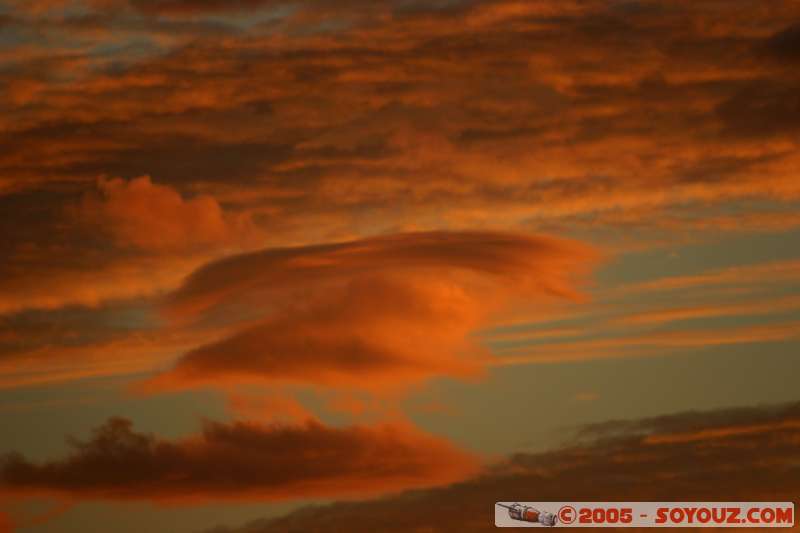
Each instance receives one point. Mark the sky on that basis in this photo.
(373, 265)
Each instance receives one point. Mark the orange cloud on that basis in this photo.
(6, 526)
(752, 308)
(267, 408)
(378, 313)
(756, 273)
(241, 461)
(152, 217)
(79, 282)
(40, 6)
(122, 355)
(644, 344)
(636, 320)
(706, 435)
(373, 333)
(538, 263)
(127, 239)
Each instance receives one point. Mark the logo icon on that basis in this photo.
(525, 513)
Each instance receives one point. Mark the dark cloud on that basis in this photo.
(762, 110)
(733, 455)
(189, 160)
(768, 417)
(240, 461)
(346, 7)
(192, 7)
(70, 326)
(785, 45)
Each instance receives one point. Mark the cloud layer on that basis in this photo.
(312, 116)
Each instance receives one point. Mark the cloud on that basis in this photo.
(678, 314)
(40, 6)
(785, 44)
(374, 333)
(739, 275)
(308, 11)
(379, 313)
(644, 344)
(646, 460)
(241, 461)
(88, 280)
(323, 122)
(735, 420)
(762, 110)
(746, 308)
(121, 239)
(267, 407)
(123, 354)
(152, 217)
(535, 262)
(194, 7)
(6, 525)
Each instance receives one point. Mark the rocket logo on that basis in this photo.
(524, 513)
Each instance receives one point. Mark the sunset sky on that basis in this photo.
(268, 265)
